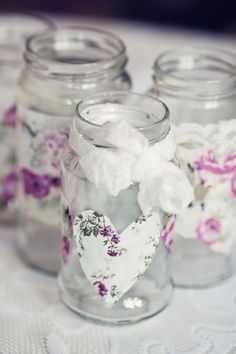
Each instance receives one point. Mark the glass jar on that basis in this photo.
(199, 86)
(13, 32)
(61, 67)
(109, 274)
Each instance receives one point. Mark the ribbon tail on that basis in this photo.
(170, 191)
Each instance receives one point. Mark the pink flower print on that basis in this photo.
(106, 231)
(112, 253)
(115, 239)
(36, 185)
(10, 116)
(55, 142)
(167, 234)
(211, 171)
(208, 231)
(233, 185)
(66, 247)
(8, 187)
(102, 290)
(111, 239)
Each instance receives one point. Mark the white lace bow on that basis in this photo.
(130, 159)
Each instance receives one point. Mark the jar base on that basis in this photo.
(136, 305)
(193, 265)
(39, 246)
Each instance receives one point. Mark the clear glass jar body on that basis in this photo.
(152, 290)
(61, 67)
(199, 86)
(13, 32)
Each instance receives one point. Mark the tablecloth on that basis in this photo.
(34, 321)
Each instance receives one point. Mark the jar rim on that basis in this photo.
(189, 59)
(15, 28)
(134, 102)
(84, 35)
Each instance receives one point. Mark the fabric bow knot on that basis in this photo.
(131, 159)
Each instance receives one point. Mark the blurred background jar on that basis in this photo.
(199, 86)
(61, 67)
(14, 29)
(93, 222)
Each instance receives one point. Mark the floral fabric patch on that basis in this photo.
(114, 262)
(208, 155)
(38, 186)
(42, 140)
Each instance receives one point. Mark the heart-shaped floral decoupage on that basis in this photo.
(114, 262)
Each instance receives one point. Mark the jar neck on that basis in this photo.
(148, 115)
(196, 73)
(81, 55)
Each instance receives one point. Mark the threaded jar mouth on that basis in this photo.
(196, 73)
(15, 28)
(76, 51)
(148, 115)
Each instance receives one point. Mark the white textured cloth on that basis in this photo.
(34, 321)
(162, 185)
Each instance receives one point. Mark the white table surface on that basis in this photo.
(34, 321)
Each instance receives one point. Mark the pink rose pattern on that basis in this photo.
(38, 186)
(210, 172)
(208, 231)
(95, 225)
(55, 142)
(101, 288)
(47, 146)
